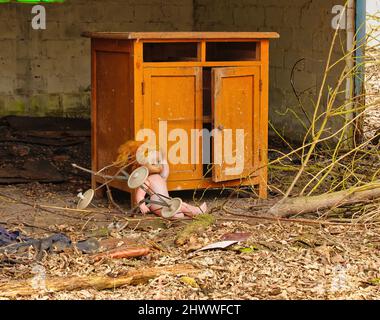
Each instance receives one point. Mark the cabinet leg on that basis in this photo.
(132, 197)
(263, 190)
(99, 193)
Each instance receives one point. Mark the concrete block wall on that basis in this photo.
(47, 72)
(306, 32)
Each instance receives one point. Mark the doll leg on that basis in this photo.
(191, 211)
(179, 216)
(157, 211)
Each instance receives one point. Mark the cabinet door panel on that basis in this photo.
(236, 107)
(174, 97)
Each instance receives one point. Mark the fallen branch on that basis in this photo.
(122, 252)
(12, 289)
(262, 215)
(301, 205)
(253, 220)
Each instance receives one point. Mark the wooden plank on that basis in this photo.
(182, 35)
(201, 64)
(112, 45)
(202, 49)
(207, 183)
(138, 83)
(27, 124)
(263, 141)
(94, 142)
(30, 171)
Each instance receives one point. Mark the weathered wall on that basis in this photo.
(47, 72)
(306, 32)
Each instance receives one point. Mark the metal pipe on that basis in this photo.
(361, 33)
(151, 192)
(350, 64)
(123, 178)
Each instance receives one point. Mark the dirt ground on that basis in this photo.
(280, 260)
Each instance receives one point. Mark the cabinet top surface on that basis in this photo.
(181, 35)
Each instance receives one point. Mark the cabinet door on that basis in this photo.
(236, 107)
(173, 96)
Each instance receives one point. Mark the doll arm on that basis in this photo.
(165, 167)
(140, 196)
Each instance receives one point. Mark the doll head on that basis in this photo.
(150, 158)
(134, 154)
(127, 153)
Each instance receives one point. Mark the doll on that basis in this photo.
(158, 168)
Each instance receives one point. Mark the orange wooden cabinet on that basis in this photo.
(182, 83)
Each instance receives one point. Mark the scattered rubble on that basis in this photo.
(146, 257)
(41, 149)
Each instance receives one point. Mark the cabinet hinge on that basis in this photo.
(142, 88)
(261, 85)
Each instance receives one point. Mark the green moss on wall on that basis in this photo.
(58, 105)
(11, 106)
